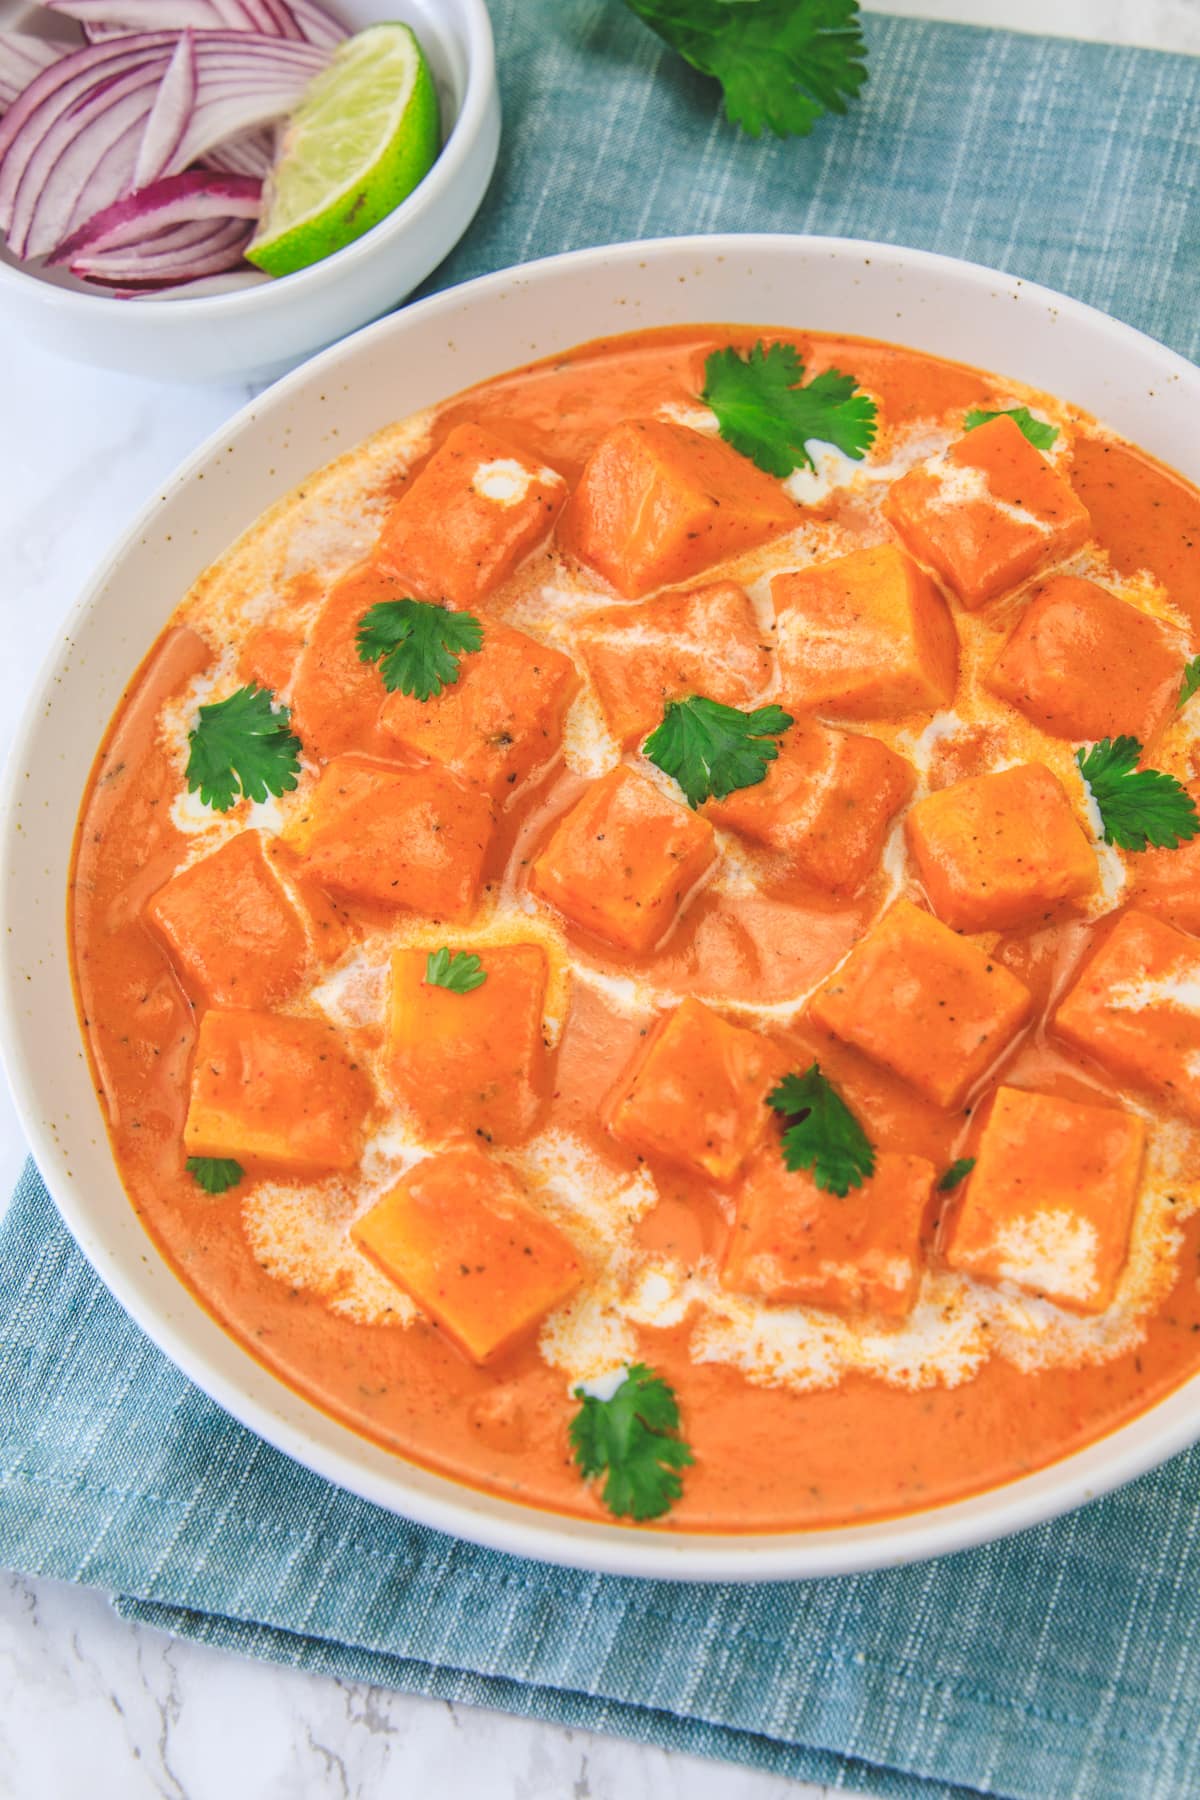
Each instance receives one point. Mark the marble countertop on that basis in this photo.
(150, 1717)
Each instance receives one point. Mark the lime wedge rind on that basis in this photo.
(365, 134)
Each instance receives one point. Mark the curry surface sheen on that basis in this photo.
(799, 1414)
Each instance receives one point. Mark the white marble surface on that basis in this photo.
(91, 1705)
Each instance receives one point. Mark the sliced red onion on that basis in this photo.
(54, 93)
(251, 153)
(169, 114)
(239, 89)
(195, 199)
(83, 160)
(298, 19)
(21, 58)
(220, 249)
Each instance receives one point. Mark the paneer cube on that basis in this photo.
(1000, 850)
(239, 931)
(336, 696)
(706, 640)
(623, 861)
(861, 1253)
(658, 504)
(476, 510)
(277, 1093)
(696, 1094)
(989, 514)
(1136, 1008)
(1084, 664)
(458, 1234)
(501, 721)
(826, 803)
(395, 837)
(1050, 1200)
(927, 1004)
(866, 636)
(1168, 881)
(473, 1062)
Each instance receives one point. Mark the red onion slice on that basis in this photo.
(83, 160)
(296, 19)
(21, 58)
(250, 153)
(56, 91)
(169, 114)
(220, 249)
(237, 92)
(195, 198)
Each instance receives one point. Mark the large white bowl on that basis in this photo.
(406, 362)
(247, 326)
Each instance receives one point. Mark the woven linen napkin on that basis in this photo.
(1062, 1663)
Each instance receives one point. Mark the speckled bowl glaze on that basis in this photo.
(409, 361)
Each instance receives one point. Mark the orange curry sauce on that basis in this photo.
(771, 1451)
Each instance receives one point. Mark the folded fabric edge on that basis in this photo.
(566, 1707)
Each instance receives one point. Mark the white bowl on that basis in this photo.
(419, 356)
(250, 327)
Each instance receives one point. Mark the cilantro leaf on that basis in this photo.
(633, 1440)
(1138, 807)
(241, 745)
(825, 1136)
(418, 645)
(782, 63)
(215, 1174)
(958, 1171)
(457, 970)
(1041, 435)
(1191, 680)
(711, 749)
(765, 413)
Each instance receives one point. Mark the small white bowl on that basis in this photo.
(250, 327)
(422, 355)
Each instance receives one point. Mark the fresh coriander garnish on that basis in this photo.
(710, 749)
(782, 63)
(764, 412)
(824, 1135)
(457, 970)
(958, 1171)
(1041, 435)
(215, 1174)
(242, 745)
(1191, 680)
(417, 645)
(633, 1439)
(1138, 807)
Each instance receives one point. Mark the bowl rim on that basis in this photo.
(479, 51)
(1103, 1464)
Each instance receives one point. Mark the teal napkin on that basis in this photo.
(1064, 1663)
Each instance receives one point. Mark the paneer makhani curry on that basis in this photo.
(639, 937)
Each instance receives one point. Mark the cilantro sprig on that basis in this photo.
(958, 1171)
(1040, 434)
(765, 412)
(417, 645)
(242, 746)
(633, 1440)
(782, 63)
(1138, 807)
(711, 749)
(824, 1135)
(1190, 682)
(458, 970)
(215, 1174)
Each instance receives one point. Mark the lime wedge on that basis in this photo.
(363, 136)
